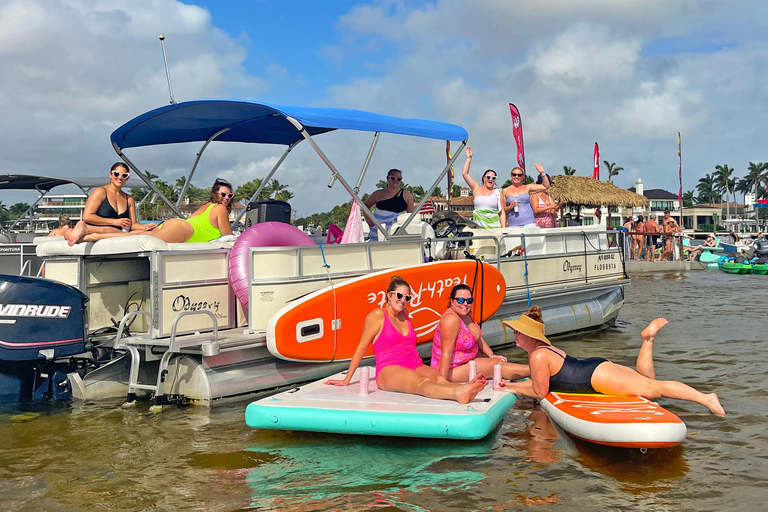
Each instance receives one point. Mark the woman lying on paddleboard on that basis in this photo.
(553, 370)
(458, 340)
(398, 364)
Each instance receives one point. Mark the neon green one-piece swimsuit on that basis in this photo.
(203, 230)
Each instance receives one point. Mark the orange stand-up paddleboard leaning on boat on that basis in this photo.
(575, 391)
(325, 325)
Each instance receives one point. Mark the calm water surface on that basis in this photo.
(99, 456)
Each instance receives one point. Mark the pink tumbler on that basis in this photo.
(365, 376)
(472, 370)
(496, 376)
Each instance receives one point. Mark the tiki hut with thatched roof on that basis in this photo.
(584, 191)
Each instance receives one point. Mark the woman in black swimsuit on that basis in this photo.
(390, 202)
(109, 208)
(554, 370)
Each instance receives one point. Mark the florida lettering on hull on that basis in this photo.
(35, 310)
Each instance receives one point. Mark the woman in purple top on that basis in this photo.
(517, 198)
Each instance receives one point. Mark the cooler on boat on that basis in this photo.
(266, 210)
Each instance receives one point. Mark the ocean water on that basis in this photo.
(101, 456)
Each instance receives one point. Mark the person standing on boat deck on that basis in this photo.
(650, 244)
(209, 222)
(459, 340)
(627, 227)
(398, 364)
(64, 226)
(553, 370)
(517, 198)
(638, 241)
(488, 212)
(108, 208)
(390, 202)
(545, 210)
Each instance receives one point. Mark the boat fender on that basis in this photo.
(264, 234)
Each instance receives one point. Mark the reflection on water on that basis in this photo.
(310, 470)
(100, 456)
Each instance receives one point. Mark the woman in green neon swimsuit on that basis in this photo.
(209, 222)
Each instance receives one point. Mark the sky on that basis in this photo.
(628, 74)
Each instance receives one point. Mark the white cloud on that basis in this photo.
(584, 56)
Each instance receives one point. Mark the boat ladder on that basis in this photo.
(207, 343)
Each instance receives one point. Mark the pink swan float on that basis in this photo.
(265, 234)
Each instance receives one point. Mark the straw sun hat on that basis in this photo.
(529, 327)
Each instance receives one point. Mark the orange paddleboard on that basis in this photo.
(624, 421)
(326, 325)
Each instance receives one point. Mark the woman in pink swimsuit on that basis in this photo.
(458, 340)
(398, 365)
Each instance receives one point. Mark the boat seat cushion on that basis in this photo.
(57, 246)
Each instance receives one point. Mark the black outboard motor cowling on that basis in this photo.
(761, 248)
(40, 319)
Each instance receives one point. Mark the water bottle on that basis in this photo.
(497, 376)
(515, 209)
(126, 230)
(472, 370)
(365, 376)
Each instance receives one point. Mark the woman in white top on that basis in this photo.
(488, 211)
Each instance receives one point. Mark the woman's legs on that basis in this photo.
(510, 371)
(614, 379)
(173, 231)
(427, 382)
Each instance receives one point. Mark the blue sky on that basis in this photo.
(628, 74)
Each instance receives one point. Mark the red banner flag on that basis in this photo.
(680, 172)
(517, 132)
(596, 169)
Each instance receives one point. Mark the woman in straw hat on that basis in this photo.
(554, 370)
(458, 340)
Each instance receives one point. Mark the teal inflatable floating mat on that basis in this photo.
(318, 407)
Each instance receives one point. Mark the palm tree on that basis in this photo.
(569, 171)
(688, 198)
(613, 169)
(417, 192)
(246, 190)
(707, 190)
(723, 177)
(744, 186)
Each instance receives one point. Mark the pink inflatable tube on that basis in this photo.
(265, 234)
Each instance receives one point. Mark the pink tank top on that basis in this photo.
(391, 347)
(546, 219)
(464, 350)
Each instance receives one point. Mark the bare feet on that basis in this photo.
(470, 390)
(76, 234)
(713, 404)
(653, 329)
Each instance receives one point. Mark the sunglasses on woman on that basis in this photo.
(224, 195)
(462, 300)
(123, 175)
(491, 178)
(395, 178)
(516, 175)
(400, 296)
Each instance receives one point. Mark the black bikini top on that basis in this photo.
(395, 203)
(106, 210)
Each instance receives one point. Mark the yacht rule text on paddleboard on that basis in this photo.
(435, 288)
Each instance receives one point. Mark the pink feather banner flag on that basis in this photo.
(517, 132)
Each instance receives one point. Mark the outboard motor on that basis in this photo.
(761, 248)
(41, 321)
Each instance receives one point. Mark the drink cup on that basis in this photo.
(496, 376)
(472, 370)
(365, 375)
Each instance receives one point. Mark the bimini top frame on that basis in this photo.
(260, 123)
